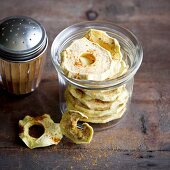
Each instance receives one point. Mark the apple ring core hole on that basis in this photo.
(87, 59)
(36, 131)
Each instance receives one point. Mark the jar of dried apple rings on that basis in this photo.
(107, 101)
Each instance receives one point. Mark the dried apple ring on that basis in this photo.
(70, 129)
(52, 132)
(84, 59)
(105, 41)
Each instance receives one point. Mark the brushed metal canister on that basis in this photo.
(23, 44)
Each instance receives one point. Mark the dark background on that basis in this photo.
(142, 139)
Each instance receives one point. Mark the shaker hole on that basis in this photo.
(30, 39)
(33, 27)
(23, 42)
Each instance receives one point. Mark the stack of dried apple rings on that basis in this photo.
(97, 57)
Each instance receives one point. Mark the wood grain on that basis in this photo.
(142, 139)
(93, 159)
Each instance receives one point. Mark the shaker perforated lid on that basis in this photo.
(21, 38)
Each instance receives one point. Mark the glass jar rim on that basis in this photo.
(90, 84)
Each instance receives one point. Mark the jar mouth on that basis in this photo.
(126, 39)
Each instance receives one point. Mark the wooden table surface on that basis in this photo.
(142, 139)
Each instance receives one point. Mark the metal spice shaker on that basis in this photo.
(23, 44)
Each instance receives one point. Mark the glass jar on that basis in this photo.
(104, 102)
